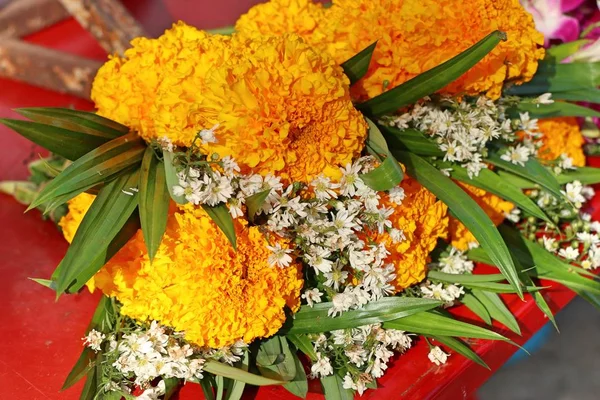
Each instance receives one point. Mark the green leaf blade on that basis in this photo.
(69, 144)
(467, 211)
(432, 80)
(315, 319)
(98, 166)
(255, 203)
(491, 182)
(497, 309)
(433, 324)
(461, 348)
(533, 171)
(227, 371)
(386, 176)
(78, 121)
(357, 66)
(153, 201)
(109, 212)
(220, 215)
(171, 177)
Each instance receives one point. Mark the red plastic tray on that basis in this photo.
(41, 339)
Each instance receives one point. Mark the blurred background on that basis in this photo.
(562, 366)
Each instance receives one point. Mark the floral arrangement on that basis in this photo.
(315, 188)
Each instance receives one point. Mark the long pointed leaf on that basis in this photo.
(255, 203)
(497, 309)
(153, 201)
(461, 348)
(357, 66)
(220, 214)
(235, 389)
(433, 80)
(78, 121)
(433, 324)
(334, 390)
(533, 171)
(465, 278)
(547, 265)
(107, 215)
(314, 319)
(585, 175)
(303, 343)
(466, 211)
(171, 177)
(227, 371)
(88, 357)
(552, 77)
(556, 109)
(69, 144)
(411, 140)
(97, 166)
(491, 182)
(386, 176)
(478, 309)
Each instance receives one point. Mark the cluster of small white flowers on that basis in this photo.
(456, 262)
(322, 219)
(364, 351)
(149, 354)
(325, 231)
(447, 293)
(462, 129)
(145, 354)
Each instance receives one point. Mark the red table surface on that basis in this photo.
(41, 339)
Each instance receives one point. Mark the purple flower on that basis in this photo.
(552, 20)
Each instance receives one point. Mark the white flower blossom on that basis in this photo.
(312, 296)
(279, 256)
(569, 253)
(208, 135)
(321, 367)
(94, 339)
(437, 356)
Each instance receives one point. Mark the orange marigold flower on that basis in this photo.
(281, 106)
(78, 206)
(422, 220)
(494, 207)
(414, 36)
(198, 284)
(561, 136)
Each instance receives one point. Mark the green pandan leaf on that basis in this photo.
(386, 176)
(98, 166)
(153, 201)
(357, 66)
(466, 210)
(220, 215)
(431, 81)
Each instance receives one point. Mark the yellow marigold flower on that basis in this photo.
(422, 220)
(278, 17)
(414, 36)
(198, 284)
(494, 207)
(561, 136)
(282, 107)
(78, 206)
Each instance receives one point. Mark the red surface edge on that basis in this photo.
(41, 339)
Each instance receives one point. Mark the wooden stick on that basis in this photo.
(50, 69)
(108, 21)
(23, 17)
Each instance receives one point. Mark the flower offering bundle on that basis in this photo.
(304, 197)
